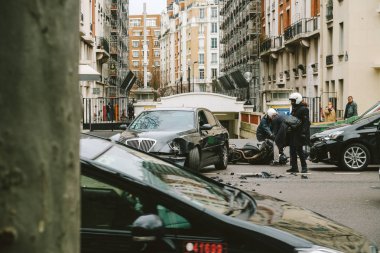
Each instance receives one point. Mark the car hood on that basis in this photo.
(331, 130)
(308, 225)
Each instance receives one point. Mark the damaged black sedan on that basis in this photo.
(192, 137)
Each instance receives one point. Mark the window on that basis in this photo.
(135, 22)
(214, 27)
(341, 38)
(201, 58)
(156, 43)
(136, 33)
(151, 22)
(201, 44)
(201, 29)
(214, 73)
(135, 43)
(214, 58)
(135, 54)
(156, 53)
(201, 74)
(156, 63)
(214, 43)
(201, 13)
(106, 206)
(214, 12)
(135, 63)
(210, 118)
(157, 33)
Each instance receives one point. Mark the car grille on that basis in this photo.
(141, 144)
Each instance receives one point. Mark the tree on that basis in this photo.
(39, 130)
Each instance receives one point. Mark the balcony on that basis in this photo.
(302, 29)
(272, 45)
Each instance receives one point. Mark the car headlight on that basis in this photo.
(175, 145)
(333, 135)
(317, 249)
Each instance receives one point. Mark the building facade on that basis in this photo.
(190, 46)
(325, 50)
(350, 52)
(290, 52)
(103, 46)
(240, 41)
(136, 53)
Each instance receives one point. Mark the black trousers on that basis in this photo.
(294, 151)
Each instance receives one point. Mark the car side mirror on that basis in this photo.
(206, 127)
(147, 228)
(123, 127)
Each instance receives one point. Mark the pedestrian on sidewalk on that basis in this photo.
(329, 112)
(351, 108)
(299, 136)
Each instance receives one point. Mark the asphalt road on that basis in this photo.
(352, 199)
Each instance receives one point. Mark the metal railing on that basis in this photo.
(302, 26)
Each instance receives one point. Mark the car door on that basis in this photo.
(109, 208)
(369, 135)
(206, 139)
(218, 133)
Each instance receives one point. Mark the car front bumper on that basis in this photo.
(180, 160)
(326, 151)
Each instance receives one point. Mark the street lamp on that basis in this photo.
(180, 81)
(188, 74)
(194, 74)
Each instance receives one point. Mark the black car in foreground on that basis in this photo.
(351, 147)
(188, 136)
(135, 202)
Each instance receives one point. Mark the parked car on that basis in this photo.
(351, 146)
(132, 201)
(192, 137)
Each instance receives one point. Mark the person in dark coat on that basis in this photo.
(351, 108)
(276, 124)
(299, 136)
(264, 130)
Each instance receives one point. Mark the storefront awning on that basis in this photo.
(87, 73)
(128, 81)
(239, 79)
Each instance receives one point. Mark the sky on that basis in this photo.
(152, 6)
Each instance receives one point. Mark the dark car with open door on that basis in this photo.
(133, 201)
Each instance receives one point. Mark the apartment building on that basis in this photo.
(103, 47)
(350, 52)
(290, 52)
(326, 50)
(240, 41)
(136, 53)
(190, 46)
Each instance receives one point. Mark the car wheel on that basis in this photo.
(223, 159)
(355, 157)
(193, 159)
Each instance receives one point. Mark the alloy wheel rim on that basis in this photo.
(355, 157)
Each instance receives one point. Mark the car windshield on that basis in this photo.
(164, 120)
(171, 179)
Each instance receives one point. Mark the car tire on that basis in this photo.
(223, 158)
(193, 159)
(355, 157)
